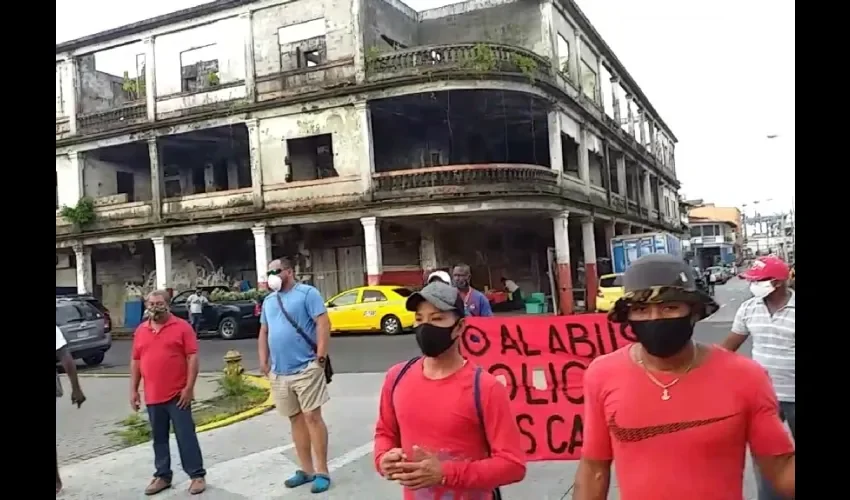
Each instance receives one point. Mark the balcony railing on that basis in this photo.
(470, 58)
(112, 118)
(465, 179)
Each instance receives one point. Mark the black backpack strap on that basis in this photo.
(401, 373)
(479, 409)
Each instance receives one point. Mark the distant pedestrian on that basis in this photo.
(294, 319)
(515, 293)
(165, 356)
(475, 302)
(196, 303)
(439, 276)
(466, 450)
(676, 417)
(77, 397)
(769, 318)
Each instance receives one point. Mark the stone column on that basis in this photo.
(428, 249)
(157, 182)
(630, 114)
(652, 143)
(358, 9)
(256, 163)
(583, 157)
(621, 176)
(641, 124)
(69, 93)
(591, 277)
(162, 257)
(367, 153)
(250, 66)
(548, 31)
(372, 241)
(615, 101)
(647, 189)
(556, 153)
(150, 77)
(562, 261)
(627, 229)
(85, 279)
(610, 232)
(262, 251)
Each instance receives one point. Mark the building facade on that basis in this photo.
(367, 141)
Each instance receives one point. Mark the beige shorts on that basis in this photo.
(301, 392)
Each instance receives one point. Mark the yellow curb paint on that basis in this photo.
(245, 415)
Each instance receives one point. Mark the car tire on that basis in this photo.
(94, 359)
(391, 325)
(228, 328)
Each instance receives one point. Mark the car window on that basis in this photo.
(68, 313)
(345, 299)
(611, 281)
(182, 297)
(373, 296)
(404, 292)
(89, 312)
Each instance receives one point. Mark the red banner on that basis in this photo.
(541, 360)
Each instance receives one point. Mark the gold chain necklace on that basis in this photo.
(665, 394)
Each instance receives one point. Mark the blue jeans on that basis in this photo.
(195, 321)
(788, 414)
(162, 418)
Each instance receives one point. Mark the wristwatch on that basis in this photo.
(321, 360)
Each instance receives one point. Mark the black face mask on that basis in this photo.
(434, 340)
(663, 338)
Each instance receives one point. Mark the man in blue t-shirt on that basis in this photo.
(475, 302)
(295, 370)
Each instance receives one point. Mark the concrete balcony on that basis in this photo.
(217, 203)
(467, 180)
(110, 213)
(124, 116)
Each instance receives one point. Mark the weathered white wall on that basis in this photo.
(100, 180)
(68, 181)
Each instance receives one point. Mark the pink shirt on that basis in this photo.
(691, 446)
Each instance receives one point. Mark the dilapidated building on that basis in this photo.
(369, 142)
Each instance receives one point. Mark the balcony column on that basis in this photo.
(69, 93)
(647, 188)
(652, 131)
(548, 30)
(428, 249)
(642, 125)
(262, 251)
(250, 65)
(627, 229)
(556, 153)
(367, 147)
(621, 176)
(630, 114)
(256, 163)
(372, 241)
(157, 182)
(162, 257)
(85, 279)
(610, 232)
(583, 157)
(358, 8)
(591, 277)
(150, 77)
(615, 100)
(562, 260)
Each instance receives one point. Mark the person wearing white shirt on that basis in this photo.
(196, 303)
(77, 397)
(515, 293)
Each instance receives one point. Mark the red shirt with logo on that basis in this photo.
(162, 357)
(691, 446)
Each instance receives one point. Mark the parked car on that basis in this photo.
(371, 309)
(721, 276)
(84, 329)
(229, 320)
(91, 299)
(610, 291)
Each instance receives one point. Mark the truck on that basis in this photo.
(228, 319)
(628, 248)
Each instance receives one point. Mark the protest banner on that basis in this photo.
(541, 360)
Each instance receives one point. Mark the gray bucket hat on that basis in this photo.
(659, 278)
(440, 295)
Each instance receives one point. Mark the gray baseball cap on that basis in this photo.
(440, 295)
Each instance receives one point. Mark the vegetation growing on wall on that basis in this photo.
(134, 87)
(482, 58)
(81, 214)
(372, 54)
(527, 65)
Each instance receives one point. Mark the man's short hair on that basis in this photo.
(286, 263)
(463, 267)
(163, 294)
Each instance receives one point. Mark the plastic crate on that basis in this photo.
(535, 308)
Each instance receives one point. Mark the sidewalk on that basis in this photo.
(251, 459)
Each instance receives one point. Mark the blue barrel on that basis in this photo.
(133, 313)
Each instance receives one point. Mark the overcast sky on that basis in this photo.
(721, 74)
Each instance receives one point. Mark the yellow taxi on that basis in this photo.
(610, 290)
(377, 308)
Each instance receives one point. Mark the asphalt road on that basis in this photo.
(376, 353)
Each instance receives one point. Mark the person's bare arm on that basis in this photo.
(323, 335)
(593, 479)
(780, 470)
(70, 368)
(263, 347)
(135, 376)
(734, 341)
(739, 333)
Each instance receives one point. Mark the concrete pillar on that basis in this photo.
(610, 232)
(591, 277)
(209, 178)
(647, 189)
(372, 242)
(150, 77)
(232, 174)
(85, 279)
(250, 68)
(69, 180)
(256, 163)
(630, 114)
(358, 9)
(641, 124)
(621, 175)
(262, 251)
(69, 93)
(652, 143)
(562, 261)
(615, 100)
(627, 229)
(556, 153)
(548, 30)
(583, 157)
(157, 181)
(428, 249)
(367, 153)
(162, 257)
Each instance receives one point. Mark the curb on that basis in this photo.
(263, 407)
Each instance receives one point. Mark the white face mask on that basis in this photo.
(275, 282)
(761, 289)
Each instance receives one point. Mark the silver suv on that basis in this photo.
(84, 328)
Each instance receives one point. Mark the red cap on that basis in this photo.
(767, 268)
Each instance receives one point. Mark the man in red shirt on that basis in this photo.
(463, 452)
(675, 416)
(165, 355)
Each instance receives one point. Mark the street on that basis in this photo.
(251, 459)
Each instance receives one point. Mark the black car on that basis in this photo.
(229, 320)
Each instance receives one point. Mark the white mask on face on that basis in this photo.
(761, 289)
(275, 282)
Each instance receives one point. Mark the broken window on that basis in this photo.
(589, 81)
(199, 68)
(569, 152)
(310, 158)
(563, 55)
(302, 45)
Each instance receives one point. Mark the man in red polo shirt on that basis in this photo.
(165, 355)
